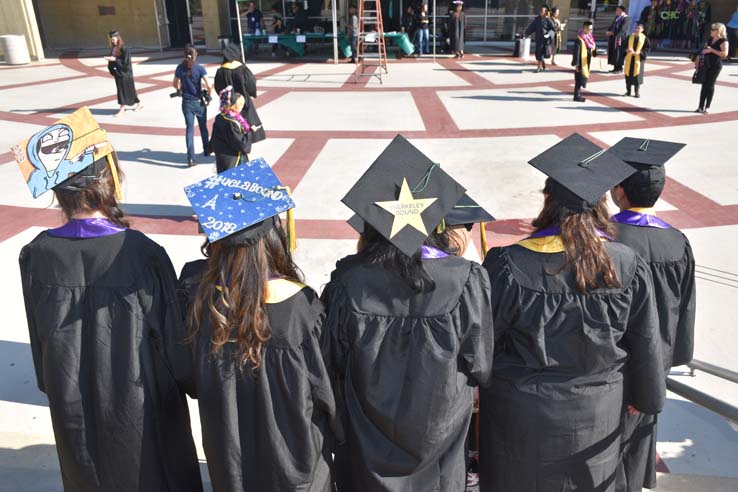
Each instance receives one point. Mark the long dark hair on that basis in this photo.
(378, 250)
(190, 57)
(233, 292)
(584, 251)
(97, 196)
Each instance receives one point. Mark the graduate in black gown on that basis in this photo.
(617, 35)
(101, 306)
(574, 314)
(234, 73)
(257, 342)
(545, 31)
(581, 59)
(411, 332)
(668, 254)
(120, 67)
(637, 48)
(230, 138)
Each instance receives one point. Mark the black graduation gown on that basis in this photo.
(456, 27)
(581, 76)
(229, 142)
(243, 82)
(669, 257)
(406, 363)
(122, 70)
(617, 43)
(550, 420)
(101, 312)
(638, 79)
(266, 430)
(542, 27)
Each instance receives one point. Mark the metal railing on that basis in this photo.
(701, 398)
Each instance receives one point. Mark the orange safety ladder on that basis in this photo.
(371, 34)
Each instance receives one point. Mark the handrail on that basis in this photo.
(703, 399)
(720, 372)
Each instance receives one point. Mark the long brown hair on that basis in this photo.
(584, 250)
(190, 56)
(233, 293)
(97, 196)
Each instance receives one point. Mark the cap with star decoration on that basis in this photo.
(403, 195)
(241, 203)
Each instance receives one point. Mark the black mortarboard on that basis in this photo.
(467, 211)
(581, 170)
(647, 156)
(403, 195)
(114, 34)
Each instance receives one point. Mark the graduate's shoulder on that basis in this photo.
(295, 313)
(655, 245)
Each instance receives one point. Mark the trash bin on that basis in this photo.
(223, 42)
(15, 49)
(522, 47)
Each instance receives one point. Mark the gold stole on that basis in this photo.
(634, 69)
(583, 59)
(231, 64)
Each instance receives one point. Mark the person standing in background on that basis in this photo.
(584, 50)
(353, 32)
(120, 67)
(714, 52)
(732, 28)
(421, 30)
(617, 34)
(254, 25)
(457, 25)
(189, 79)
(638, 47)
(545, 32)
(560, 26)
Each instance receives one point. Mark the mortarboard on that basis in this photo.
(582, 172)
(468, 212)
(232, 52)
(50, 157)
(241, 203)
(403, 195)
(114, 34)
(646, 156)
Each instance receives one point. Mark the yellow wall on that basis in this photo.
(78, 24)
(16, 17)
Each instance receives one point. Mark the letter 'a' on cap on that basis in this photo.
(647, 156)
(403, 195)
(581, 168)
(241, 203)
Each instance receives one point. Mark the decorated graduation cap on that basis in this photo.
(50, 158)
(646, 156)
(114, 34)
(581, 172)
(467, 212)
(242, 204)
(403, 195)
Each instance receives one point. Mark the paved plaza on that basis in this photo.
(482, 118)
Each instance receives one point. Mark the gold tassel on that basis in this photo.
(483, 238)
(291, 231)
(441, 227)
(114, 173)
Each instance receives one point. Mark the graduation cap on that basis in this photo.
(242, 203)
(581, 171)
(646, 156)
(467, 212)
(114, 34)
(232, 52)
(403, 195)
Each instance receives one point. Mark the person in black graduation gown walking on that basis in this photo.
(637, 48)
(617, 35)
(101, 306)
(573, 313)
(257, 342)
(230, 138)
(545, 31)
(669, 256)
(120, 67)
(411, 332)
(237, 75)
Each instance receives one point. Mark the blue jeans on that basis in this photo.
(423, 34)
(192, 108)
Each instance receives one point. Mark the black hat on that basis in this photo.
(114, 34)
(467, 211)
(582, 172)
(403, 195)
(232, 52)
(647, 156)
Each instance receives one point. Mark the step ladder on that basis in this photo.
(371, 35)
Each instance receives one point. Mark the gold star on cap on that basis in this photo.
(407, 210)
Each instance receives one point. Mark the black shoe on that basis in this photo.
(206, 153)
(190, 162)
(579, 99)
(638, 94)
(699, 110)
(627, 94)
